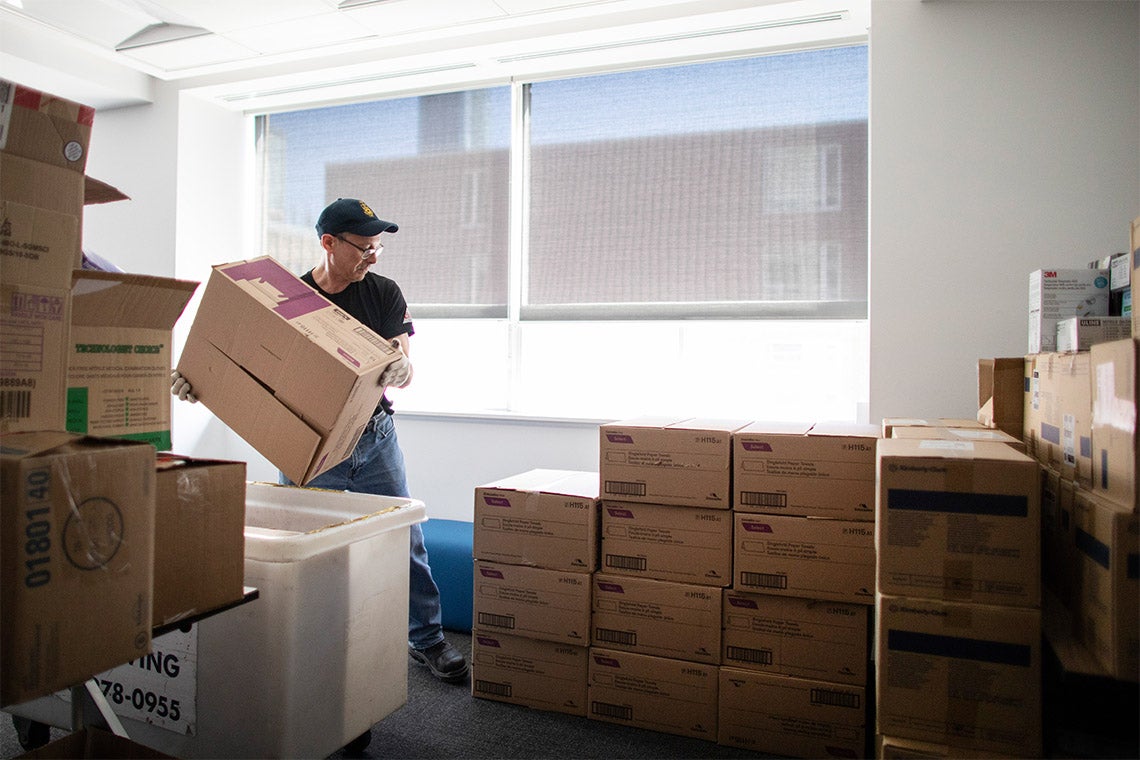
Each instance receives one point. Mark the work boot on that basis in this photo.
(443, 660)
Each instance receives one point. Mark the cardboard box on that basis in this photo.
(805, 557)
(969, 435)
(199, 536)
(552, 605)
(76, 568)
(791, 717)
(44, 128)
(666, 542)
(959, 521)
(34, 327)
(1058, 414)
(1107, 540)
(890, 423)
(539, 674)
(1081, 333)
(39, 246)
(806, 638)
(1058, 542)
(658, 460)
(898, 748)
(288, 371)
(541, 518)
(92, 742)
(118, 372)
(1134, 236)
(968, 675)
(1115, 443)
(676, 620)
(1001, 394)
(657, 693)
(825, 471)
(1055, 294)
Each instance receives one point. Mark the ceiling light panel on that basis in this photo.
(403, 16)
(300, 34)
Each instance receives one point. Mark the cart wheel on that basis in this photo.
(31, 733)
(358, 745)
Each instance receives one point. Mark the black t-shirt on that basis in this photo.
(377, 302)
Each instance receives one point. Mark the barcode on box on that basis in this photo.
(833, 698)
(624, 488)
(492, 687)
(764, 580)
(607, 710)
(15, 404)
(610, 636)
(497, 621)
(749, 655)
(624, 562)
(763, 499)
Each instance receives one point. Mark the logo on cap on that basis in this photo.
(367, 211)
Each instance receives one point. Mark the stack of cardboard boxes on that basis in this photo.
(98, 536)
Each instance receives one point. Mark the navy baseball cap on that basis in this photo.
(352, 216)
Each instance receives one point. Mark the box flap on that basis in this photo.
(96, 191)
(20, 445)
(127, 300)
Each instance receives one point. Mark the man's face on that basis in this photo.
(354, 255)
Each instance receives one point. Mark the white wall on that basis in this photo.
(1004, 137)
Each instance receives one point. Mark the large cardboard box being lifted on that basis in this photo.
(292, 374)
(78, 556)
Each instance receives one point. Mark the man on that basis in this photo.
(350, 238)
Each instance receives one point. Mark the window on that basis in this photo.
(633, 242)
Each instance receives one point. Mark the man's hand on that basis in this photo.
(398, 373)
(180, 387)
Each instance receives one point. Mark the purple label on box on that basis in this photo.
(297, 298)
(755, 527)
(756, 446)
(619, 438)
(496, 501)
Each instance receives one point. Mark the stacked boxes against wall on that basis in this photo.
(666, 558)
(795, 671)
(958, 612)
(535, 546)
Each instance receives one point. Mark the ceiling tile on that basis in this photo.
(402, 16)
(300, 34)
(210, 49)
(228, 15)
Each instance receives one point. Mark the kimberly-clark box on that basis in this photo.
(661, 618)
(552, 605)
(959, 521)
(970, 435)
(806, 638)
(656, 460)
(962, 674)
(1115, 429)
(542, 518)
(1081, 333)
(667, 542)
(783, 716)
(1056, 294)
(825, 470)
(805, 557)
(288, 371)
(543, 675)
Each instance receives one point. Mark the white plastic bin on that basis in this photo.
(319, 657)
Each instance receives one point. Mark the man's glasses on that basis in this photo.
(364, 252)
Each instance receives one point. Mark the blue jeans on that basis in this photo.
(376, 466)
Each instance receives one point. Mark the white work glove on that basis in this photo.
(398, 372)
(180, 387)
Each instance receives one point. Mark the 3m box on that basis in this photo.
(806, 638)
(34, 326)
(665, 461)
(806, 557)
(1056, 294)
(541, 518)
(1115, 394)
(118, 371)
(657, 693)
(667, 542)
(543, 675)
(288, 371)
(77, 558)
(1108, 597)
(1001, 393)
(661, 618)
(959, 521)
(825, 471)
(890, 423)
(969, 435)
(1058, 413)
(199, 536)
(791, 717)
(1082, 333)
(968, 675)
(552, 605)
